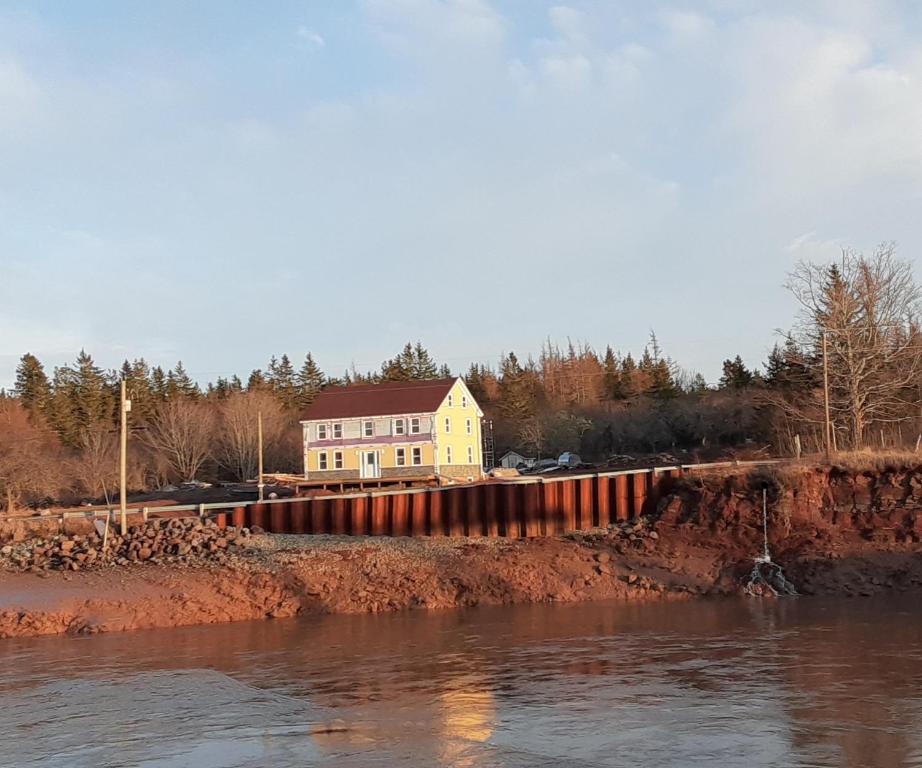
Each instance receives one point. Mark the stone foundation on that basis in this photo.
(461, 471)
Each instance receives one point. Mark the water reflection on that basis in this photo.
(752, 683)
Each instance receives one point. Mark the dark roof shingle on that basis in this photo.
(387, 399)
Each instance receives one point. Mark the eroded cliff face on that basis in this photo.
(834, 529)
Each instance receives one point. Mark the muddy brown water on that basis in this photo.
(747, 683)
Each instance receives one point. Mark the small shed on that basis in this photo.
(513, 459)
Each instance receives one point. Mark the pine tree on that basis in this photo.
(735, 374)
(137, 376)
(310, 381)
(281, 380)
(84, 398)
(399, 368)
(517, 396)
(256, 380)
(662, 382)
(474, 381)
(611, 375)
(629, 377)
(445, 372)
(423, 367)
(158, 384)
(698, 386)
(179, 384)
(32, 386)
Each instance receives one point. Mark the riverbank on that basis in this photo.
(836, 531)
(283, 576)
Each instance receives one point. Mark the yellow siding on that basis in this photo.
(458, 440)
(388, 456)
(350, 459)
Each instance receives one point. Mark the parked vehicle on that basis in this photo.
(569, 459)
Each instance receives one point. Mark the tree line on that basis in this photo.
(58, 431)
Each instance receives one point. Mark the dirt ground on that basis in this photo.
(286, 575)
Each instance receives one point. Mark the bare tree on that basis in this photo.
(95, 467)
(181, 432)
(868, 308)
(30, 457)
(237, 444)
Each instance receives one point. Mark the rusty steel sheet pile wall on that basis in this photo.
(513, 509)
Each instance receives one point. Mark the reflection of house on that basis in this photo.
(394, 429)
(511, 460)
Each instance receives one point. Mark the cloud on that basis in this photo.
(312, 39)
(593, 158)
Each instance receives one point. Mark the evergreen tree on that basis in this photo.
(399, 368)
(310, 381)
(158, 384)
(256, 380)
(662, 383)
(517, 397)
(137, 376)
(84, 398)
(281, 380)
(32, 386)
(423, 367)
(611, 375)
(474, 381)
(698, 386)
(629, 377)
(735, 374)
(179, 384)
(445, 371)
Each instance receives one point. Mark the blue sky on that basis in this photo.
(218, 182)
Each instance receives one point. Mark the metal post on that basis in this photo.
(125, 406)
(259, 439)
(826, 399)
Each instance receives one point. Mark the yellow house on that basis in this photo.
(394, 429)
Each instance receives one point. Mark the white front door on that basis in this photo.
(371, 466)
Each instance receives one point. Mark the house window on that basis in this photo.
(447, 424)
(321, 431)
(414, 426)
(448, 454)
(402, 457)
(469, 425)
(417, 456)
(450, 401)
(470, 454)
(322, 460)
(368, 428)
(337, 431)
(399, 426)
(464, 401)
(337, 459)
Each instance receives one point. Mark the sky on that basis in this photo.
(218, 182)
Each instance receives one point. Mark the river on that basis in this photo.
(731, 683)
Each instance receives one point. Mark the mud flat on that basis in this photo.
(835, 532)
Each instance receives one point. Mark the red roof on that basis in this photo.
(391, 398)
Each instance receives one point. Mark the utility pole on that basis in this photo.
(826, 399)
(125, 406)
(259, 441)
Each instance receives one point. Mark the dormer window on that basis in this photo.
(368, 428)
(400, 426)
(414, 425)
(337, 431)
(321, 431)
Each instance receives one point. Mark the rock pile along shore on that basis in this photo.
(181, 541)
